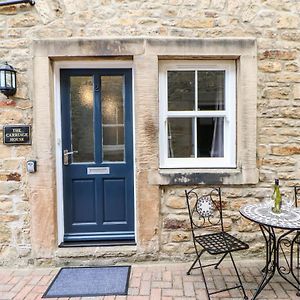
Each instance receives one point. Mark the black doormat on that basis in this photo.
(89, 281)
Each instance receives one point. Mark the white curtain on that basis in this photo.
(217, 147)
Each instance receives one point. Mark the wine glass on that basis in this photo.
(288, 202)
(268, 202)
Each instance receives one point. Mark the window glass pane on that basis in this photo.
(211, 88)
(180, 137)
(112, 103)
(82, 109)
(181, 90)
(210, 137)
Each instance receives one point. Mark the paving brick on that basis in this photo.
(5, 287)
(161, 284)
(147, 275)
(172, 292)
(155, 294)
(177, 282)
(135, 282)
(23, 292)
(145, 287)
(188, 288)
(46, 279)
(7, 295)
(167, 276)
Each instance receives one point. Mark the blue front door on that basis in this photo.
(97, 152)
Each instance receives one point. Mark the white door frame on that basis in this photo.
(108, 64)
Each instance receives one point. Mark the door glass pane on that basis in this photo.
(82, 110)
(210, 137)
(211, 90)
(181, 90)
(112, 104)
(180, 137)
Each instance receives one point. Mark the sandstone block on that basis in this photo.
(12, 164)
(296, 90)
(285, 150)
(287, 77)
(14, 176)
(5, 234)
(23, 20)
(287, 21)
(7, 187)
(8, 10)
(6, 205)
(249, 12)
(270, 66)
(10, 177)
(8, 218)
(126, 22)
(197, 23)
(45, 12)
(279, 54)
(292, 67)
(232, 5)
(276, 93)
(218, 4)
(7, 102)
(175, 2)
(11, 117)
(291, 36)
(176, 223)
(5, 151)
(176, 202)
(180, 236)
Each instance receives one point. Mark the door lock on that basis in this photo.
(66, 156)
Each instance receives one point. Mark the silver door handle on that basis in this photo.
(66, 156)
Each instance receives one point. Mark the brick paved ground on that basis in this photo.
(153, 282)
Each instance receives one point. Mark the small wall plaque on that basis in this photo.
(17, 135)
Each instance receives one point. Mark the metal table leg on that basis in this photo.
(270, 267)
(273, 247)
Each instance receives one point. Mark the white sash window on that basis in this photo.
(197, 114)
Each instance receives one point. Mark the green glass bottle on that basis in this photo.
(277, 198)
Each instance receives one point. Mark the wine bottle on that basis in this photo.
(277, 198)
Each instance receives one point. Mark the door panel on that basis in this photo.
(98, 161)
(114, 197)
(84, 206)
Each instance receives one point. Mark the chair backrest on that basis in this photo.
(205, 209)
(297, 194)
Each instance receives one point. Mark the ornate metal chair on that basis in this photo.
(205, 212)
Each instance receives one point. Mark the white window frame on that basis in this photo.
(229, 114)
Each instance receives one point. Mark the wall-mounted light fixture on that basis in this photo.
(13, 2)
(8, 82)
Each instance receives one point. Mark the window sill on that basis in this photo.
(203, 176)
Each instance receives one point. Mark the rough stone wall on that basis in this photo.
(275, 25)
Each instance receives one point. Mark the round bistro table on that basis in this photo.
(286, 237)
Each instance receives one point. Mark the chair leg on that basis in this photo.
(195, 261)
(298, 293)
(218, 263)
(239, 278)
(202, 272)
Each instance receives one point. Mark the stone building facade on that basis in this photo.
(261, 41)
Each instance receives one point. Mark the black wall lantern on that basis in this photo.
(8, 83)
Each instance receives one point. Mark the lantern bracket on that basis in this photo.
(13, 2)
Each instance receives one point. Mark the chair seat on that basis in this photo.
(221, 242)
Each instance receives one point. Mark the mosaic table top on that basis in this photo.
(263, 214)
